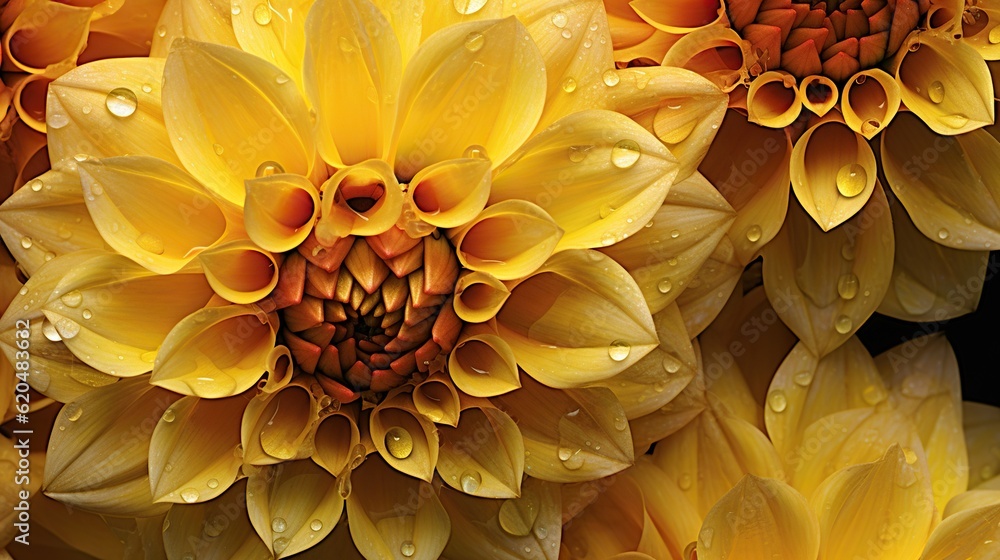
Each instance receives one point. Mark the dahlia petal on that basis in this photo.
(819, 94)
(597, 187)
(476, 83)
(381, 525)
(612, 327)
(652, 47)
(708, 292)
(371, 181)
(569, 34)
(406, 440)
(510, 239)
(726, 381)
(281, 40)
(208, 21)
(46, 37)
(679, 17)
(861, 506)
(437, 399)
(832, 281)
(483, 365)
(506, 527)
(27, 95)
(98, 432)
(353, 71)
(162, 236)
(749, 165)
(674, 516)
(479, 296)
(51, 221)
(967, 534)
(742, 525)
(239, 271)
(977, 35)
(279, 211)
(483, 455)
(82, 122)
(833, 173)
(405, 18)
(292, 413)
(674, 415)
(662, 264)
(973, 499)
(193, 453)
(224, 135)
(450, 193)
(284, 502)
(215, 352)
(337, 438)
(214, 530)
(557, 426)
(946, 184)
(121, 29)
(683, 109)
(980, 423)
(81, 531)
(871, 101)
(28, 153)
(716, 52)
(439, 15)
(946, 84)
(773, 100)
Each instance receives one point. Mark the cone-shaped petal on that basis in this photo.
(151, 211)
(478, 297)
(279, 426)
(612, 328)
(240, 271)
(47, 218)
(279, 211)
(337, 438)
(975, 33)
(749, 166)
(715, 52)
(215, 352)
(571, 435)
(438, 400)
(967, 534)
(506, 527)
(707, 293)
(947, 185)
(224, 135)
(278, 34)
(887, 504)
(982, 437)
(871, 100)
(509, 240)
(209, 21)
(285, 502)
(194, 455)
(833, 281)
(46, 37)
(98, 462)
(484, 455)
(364, 199)
(833, 173)
(280, 368)
(476, 83)
(674, 415)
(108, 108)
(819, 94)
(674, 516)
(945, 83)
(214, 530)
(353, 70)
(404, 438)
(483, 365)
(663, 263)
(599, 187)
(383, 526)
(450, 193)
(406, 22)
(773, 100)
(726, 381)
(743, 524)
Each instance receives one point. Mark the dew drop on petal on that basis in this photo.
(560, 19)
(72, 299)
(67, 328)
(73, 411)
(278, 525)
(753, 233)
(777, 401)
(625, 153)
(26, 242)
(161, 31)
(262, 14)
(168, 415)
(851, 180)
(664, 286)
(611, 78)
(218, 149)
(619, 350)
(50, 332)
(268, 168)
(316, 525)
(399, 442)
(943, 234)
(470, 481)
(407, 549)
(803, 378)
(936, 92)
(843, 324)
(847, 286)
(956, 120)
(151, 243)
(212, 483)
(474, 41)
(279, 545)
(467, 7)
(121, 102)
(190, 495)
(566, 33)
(35, 184)
(569, 85)
(620, 423)
(706, 536)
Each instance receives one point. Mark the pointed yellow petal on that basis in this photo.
(46, 37)
(871, 100)
(476, 83)
(886, 504)
(364, 199)
(612, 328)
(385, 527)
(215, 352)
(982, 439)
(97, 462)
(828, 284)
(557, 426)
(674, 415)
(599, 187)
(437, 399)
(275, 33)
(674, 516)
(240, 271)
(707, 293)
(438, 15)
(484, 455)
(479, 296)
(772, 100)
(973, 499)
(404, 438)
(968, 534)
(945, 83)
(279, 211)
(406, 21)
(194, 454)
(225, 135)
(216, 530)
(450, 193)
(293, 506)
(509, 240)
(208, 21)
(337, 438)
(744, 524)
(280, 426)
(353, 70)
(833, 173)
(483, 365)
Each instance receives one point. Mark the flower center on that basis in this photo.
(836, 39)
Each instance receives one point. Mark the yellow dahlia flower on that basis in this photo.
(342, 256)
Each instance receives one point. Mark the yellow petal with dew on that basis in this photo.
(450, 193)
(599, 187)
(275, 33)
(772, 100)
(439, 15)
(483, 365)
(982, 439)
(708, 291)
(405, 17)
(611, 326)
(973, 499)
(46, 37)
(240, 271)
(404, 438)
(976, 31)
(716, 52)
(437, 399)
(871, 100)
(215, 530)
(280, 369)
(337, 438)
(257, 124)
(293, 506)
(674, 516)
(674, 415)
(280, 426)
(968, 534)
(164, 235)
(353, 69)
(194, 454)
(475, 83)
(215, 352)
(279, 211)
(208, 21)
(483, 455)
(363, 199)
(834, 280)
(479, 296)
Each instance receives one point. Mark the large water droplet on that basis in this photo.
(72, 299)
(625, 153)
(560, 19)
(278, 525)
(268, 168)
(121, 102)
(803, 378)
(399, 442)
(664, 286)
(851, 180)
(777, 401)
(474, 41)
(569, 85)
(847, 286)
(279, 545)
(467, 7)
(212, 483)
(190, 495)
(843, 324)
(957, 120)
(619, 350)
(169, 415)
(753, 233)
(73, 411)
(407, 549)
(316, 525)
(26, 242)
(50, 332)
(262, 14)
(572, 459)
(611, 78)
(470, 481)
(67, 328)
(151, 243)
(56, 120)
(684, 481)
(936, 92)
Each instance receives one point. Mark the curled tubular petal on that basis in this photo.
(280, 368)
(239, 271)
(977, 27)
(46, 37)
(833, 173)
(363, 199)
(508, 240)
(715, 52)
(437, 399)
(871, 100)
(479, 296)
(279, 211)
(28, 95)
(819, 94)
(279, 426)
(215, 352)
(484, 454)
(337, 440)
(450, 193)
(163, 236)
(483, 365)
(773, 100)
(210, 529)
(404, 438)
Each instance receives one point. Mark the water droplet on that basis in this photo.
(753, 233)
(235, 10)
(268, 168)
(281, 79)
(578, 154)
(474, 41)
(168, 415)
(467, 7)
(407, 549)
(26, 242)
(843, 324)
(190, 495)
(847, 251)
(151, 243)
(278, 525)
(146, 88)
(86, 110)
(470, 481)
(566, 33)
(607, 239)
(873, 394)
(957, 120)
(625, 153)
(560, 19)
(620, 423)
(73, 411)
(671, 364)
(72, 299)
(569, 85)
(475, 151)
(619, 350)
(345, 44)
(611, 78)
(218, 149)
(803, 378)
(777, 401)
(50, 332)
(399, 442)
(279, 545)
(684, 481)
(262, 14)
(664, 286)
(121, 102)
(316, 525)
(541, 532)
(212, 483)
(161, 31)
(851, 180)
(936, 92)
(67, 328)
(943, 234)
(571, 459)
(847, 286)
(35, 184)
